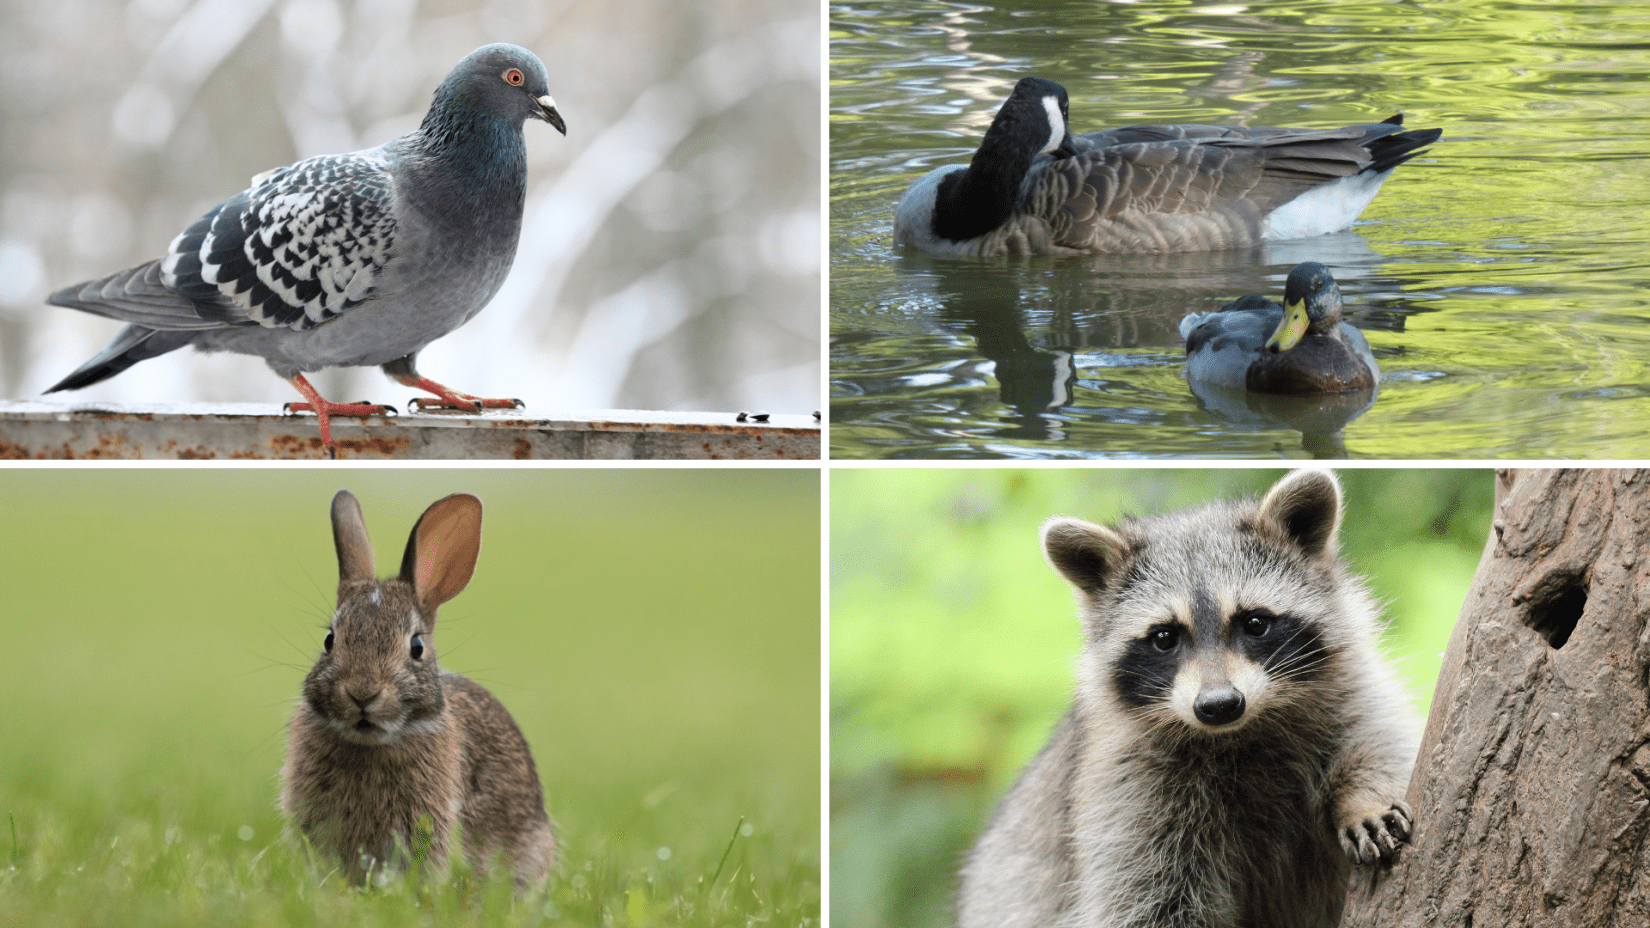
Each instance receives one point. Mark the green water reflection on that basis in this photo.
(1502, 279)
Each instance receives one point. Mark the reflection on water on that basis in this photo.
(1501, 280)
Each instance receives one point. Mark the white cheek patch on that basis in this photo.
(1183, 695)
(1056, 123)
(1254, 683)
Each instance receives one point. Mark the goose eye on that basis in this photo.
(1164, 639)
(513, 77)
(417, 647)
(328, 643)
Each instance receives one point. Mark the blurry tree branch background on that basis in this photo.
(670, 250)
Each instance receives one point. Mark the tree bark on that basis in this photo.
(1532, 786)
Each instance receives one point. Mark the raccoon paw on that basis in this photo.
(1376, 837)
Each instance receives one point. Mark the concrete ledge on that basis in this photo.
(256, 431)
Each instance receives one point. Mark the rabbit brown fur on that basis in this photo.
(384, 737)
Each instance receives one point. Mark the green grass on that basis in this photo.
(654, 633)
(952, 641)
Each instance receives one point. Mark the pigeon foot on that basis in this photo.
(448, 398)
(324, 410)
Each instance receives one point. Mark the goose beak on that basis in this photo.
(1066, 149)
(1291, 329)
(547, 112)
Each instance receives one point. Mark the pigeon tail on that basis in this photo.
(134, 343)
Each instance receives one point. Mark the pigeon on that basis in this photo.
(347, 260)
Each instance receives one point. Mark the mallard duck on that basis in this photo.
(1033, 188)
(1298, 348)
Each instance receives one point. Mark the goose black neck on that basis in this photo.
(971, 203)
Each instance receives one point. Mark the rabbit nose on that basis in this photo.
(363, 701)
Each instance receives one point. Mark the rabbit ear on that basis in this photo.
(349, 534)
(441, 554)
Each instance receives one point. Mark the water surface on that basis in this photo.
(1501, 279)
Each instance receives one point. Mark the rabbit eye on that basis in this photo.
(328, 643)
(417, 647)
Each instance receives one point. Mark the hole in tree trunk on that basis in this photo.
(1554, 612)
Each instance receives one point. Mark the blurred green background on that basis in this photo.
(655, 634)
(952, 641)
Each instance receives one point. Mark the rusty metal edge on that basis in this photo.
(279, 436)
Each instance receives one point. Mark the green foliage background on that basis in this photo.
(952, 640)
(654, 633)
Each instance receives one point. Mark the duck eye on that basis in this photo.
(417, 647)
(328, 643)
(514, 77)
(1164, 639)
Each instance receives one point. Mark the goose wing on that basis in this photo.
(1186, 194)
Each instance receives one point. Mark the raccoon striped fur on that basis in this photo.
(1237, 744)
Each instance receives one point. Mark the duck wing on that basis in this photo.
(1222, 344)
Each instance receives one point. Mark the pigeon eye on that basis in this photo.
(328, 643)
(513, 77)
(417, 647)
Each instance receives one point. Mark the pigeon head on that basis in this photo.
(505, 81)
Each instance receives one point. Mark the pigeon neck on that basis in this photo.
(470, 145)
(971, 203)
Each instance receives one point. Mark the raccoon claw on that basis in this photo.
(1377, 837)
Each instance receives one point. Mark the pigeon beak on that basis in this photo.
(547, 112)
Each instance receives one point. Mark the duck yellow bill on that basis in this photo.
(1291, 329)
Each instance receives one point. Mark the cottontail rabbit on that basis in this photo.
(384, 738)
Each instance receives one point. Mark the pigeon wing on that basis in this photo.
(302, 246)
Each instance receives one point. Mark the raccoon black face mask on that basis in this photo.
(1237, 743)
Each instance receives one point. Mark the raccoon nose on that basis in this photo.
(1219, 706)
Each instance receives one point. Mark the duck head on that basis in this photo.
(1311, 306)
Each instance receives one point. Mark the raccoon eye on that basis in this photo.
(1164, 639)
(328, 643)
(417, 647)
(1255, 624)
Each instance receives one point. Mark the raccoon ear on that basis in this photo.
(1306, 504)
(1089, 556)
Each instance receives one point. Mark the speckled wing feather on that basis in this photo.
(302, 246)
(1193, 193)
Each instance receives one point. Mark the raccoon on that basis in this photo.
(1237, 744)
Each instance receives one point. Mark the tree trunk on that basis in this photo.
(1532, 787)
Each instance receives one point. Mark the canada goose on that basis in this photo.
(1300, 347)
(1033, 188)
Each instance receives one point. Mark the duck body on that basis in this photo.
(1033, 188)
(1299, 348)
